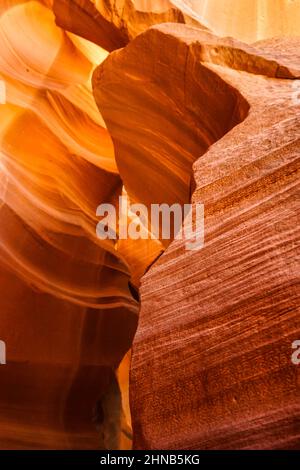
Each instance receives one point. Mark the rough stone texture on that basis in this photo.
(248, 20)
(212, 353)
(211, 363)
(113, 23)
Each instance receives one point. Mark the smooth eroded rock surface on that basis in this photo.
(68, 314)
(178, 113)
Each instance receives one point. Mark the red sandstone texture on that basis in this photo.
(211, 366)
(182, 114)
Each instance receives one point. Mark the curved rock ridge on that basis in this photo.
(214, 342)
(68, 314)
(56, 185)
(160, 100)
(114, 23)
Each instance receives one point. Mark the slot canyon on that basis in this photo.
(140, 343)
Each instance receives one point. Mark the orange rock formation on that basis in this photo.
(213, 346)
(175, 113)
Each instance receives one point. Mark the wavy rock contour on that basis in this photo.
(213, 345)
(113, 23)
(67, 313)
(69, 303)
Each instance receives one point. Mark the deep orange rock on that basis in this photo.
(112, 24)
(213, 345)
(188, 113)
(67, 312)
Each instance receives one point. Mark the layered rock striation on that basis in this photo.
(211, 365)
(175, 114)
(67, 313)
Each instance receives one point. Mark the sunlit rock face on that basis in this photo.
(72, 134)
(248, 20)
(67, 314)
(213, 345)
(113, 23)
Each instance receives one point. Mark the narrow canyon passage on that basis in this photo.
(99, 106)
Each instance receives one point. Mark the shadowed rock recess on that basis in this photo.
(102, 100)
